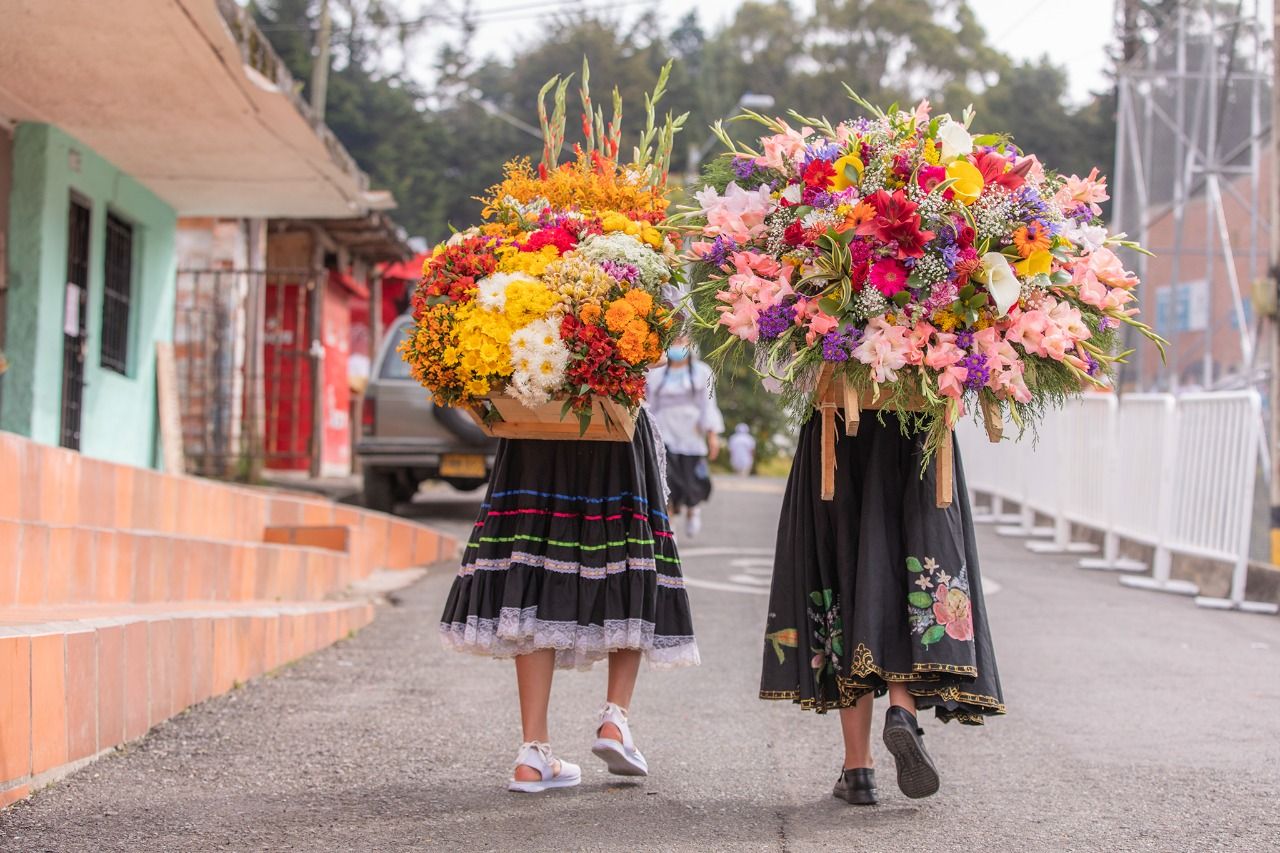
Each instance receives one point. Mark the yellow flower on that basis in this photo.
(532, 264)
(652, 236)
(617, 222)
(841, 181)
(930, 152)
(1039, 262)
(528, 301)
(968, 181)
(945, 319)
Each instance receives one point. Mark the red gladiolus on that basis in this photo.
(896, 221)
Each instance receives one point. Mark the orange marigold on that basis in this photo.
(620, 313)
(641, 299)
(590, 313)
(632, 347)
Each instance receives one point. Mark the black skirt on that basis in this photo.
(878, 585)
(689, 477)
(573, 551)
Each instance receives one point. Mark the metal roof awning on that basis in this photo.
(186, 96)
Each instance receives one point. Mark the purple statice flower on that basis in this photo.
(623, 272)
(838, 344)
(950, 254)
(964, 339)
(743, 167)
(977, 370)
(722, 248)
(1105, 323)
(775, 320)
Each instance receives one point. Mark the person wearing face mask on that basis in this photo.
(681, 398)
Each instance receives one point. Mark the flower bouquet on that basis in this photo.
(561, 300)
(899, 262)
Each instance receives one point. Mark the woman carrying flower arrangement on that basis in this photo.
(926, 272)
(559, 297)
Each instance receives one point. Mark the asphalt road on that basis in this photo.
(1137, 722)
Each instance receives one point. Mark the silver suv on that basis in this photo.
(406, 438)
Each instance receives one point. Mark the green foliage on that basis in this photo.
(436, 150)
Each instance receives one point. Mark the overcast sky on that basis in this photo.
(1077, 39)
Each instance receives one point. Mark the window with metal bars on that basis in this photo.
(117, 293)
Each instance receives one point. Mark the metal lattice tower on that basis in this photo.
(1193, 120)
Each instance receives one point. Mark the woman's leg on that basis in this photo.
(899, 695)
(533, 678)
(855, 725)
(624, 667)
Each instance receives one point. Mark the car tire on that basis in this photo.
(379, 490)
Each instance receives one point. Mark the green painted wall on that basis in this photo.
(119, 420)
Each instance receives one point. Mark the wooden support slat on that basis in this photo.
(828, 451)
(944, 467)
(993, 420)
(852, 409)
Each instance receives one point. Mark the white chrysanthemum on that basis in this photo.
(491, 292)
(538, 362)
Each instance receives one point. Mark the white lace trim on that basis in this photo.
(571, 567)
(519, 631)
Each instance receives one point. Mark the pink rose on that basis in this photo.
(951, 608)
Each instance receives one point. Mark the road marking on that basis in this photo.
(725, 587)
(715, 551)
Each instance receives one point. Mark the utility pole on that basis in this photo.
(1273, 188)
(320, 69)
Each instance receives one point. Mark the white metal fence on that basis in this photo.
(1176, 475)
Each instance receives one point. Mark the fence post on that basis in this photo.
(1245, 459)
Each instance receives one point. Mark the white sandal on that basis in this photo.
(622, 759)
(554, 772)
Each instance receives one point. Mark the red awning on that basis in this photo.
(345, 280)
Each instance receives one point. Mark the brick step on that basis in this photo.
(76, 681)
(60, 488)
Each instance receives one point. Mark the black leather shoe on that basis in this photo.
(857, 786)
(917, 776)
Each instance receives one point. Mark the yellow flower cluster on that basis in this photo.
(574, 185)
(532, 264)
(946, 319)
(481, 354)
(640, 230)
(578, 282)
(930, 153)
(528, 301)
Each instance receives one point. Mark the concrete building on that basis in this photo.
(116, 120)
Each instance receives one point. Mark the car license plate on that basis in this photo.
(461, 465)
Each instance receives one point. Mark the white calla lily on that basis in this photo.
(1001, 282)
(956, 141)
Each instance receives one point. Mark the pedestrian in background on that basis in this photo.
(682, 398)
(742, 450)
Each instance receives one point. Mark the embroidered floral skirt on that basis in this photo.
(878, 585)
(573, 551)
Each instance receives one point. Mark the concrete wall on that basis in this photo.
(119, 416)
